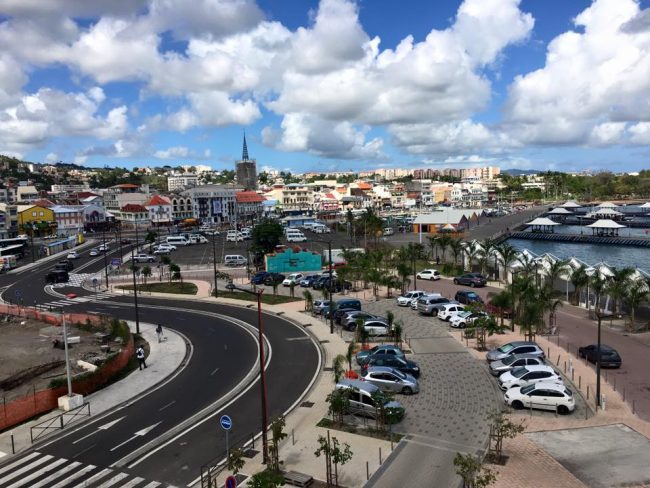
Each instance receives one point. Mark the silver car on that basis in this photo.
(512, 348)
(321, 306)
(391, 379)
(349, 320)
(431, 305)
(511, 362)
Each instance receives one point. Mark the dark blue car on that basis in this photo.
(308, 280)
(259, 277)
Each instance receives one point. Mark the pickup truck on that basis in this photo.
(144, 258)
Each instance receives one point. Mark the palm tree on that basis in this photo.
(579, 280)
(472, 250)
(555, 270)
(488, 247)
(444, 241)
(503, 301)
(531, 311)
(456, 247)
(618, 286)
(433, 244)
(146, 272)
(637, 293)
(528, 264)
(404, 271)
(506, 256)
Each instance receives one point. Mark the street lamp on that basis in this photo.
(105, 255)
(67, 354)
(331, 282)
(214, 263)
(135, 294)
(260, 335)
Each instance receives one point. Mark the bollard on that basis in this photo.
(558, 340)
(623, 393)
(531, 409)
(614, 383)
(564, 367)
(603, 402)
(293, 439)
(367, 472)
(633, 407)
(253, 441)
(548, 352)
(586, 413)
(13, 446)
(587, 392)
(380, 461)
(557, 363)
(572, 375)
(579, 382)
(556, 410)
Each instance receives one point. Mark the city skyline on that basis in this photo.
(325, 86)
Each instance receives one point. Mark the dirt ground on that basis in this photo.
(28, 344)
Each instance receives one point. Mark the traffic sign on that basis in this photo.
(95, 282)
(116, 261)
(231, 482)
(226, 422)
(18, 292)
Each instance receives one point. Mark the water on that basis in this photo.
(618, 256)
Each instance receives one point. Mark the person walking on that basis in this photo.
(139, 353)
(159, 331)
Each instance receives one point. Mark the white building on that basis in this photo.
(181, 181)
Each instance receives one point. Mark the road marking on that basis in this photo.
(92, 479)
(101, 427)
(37, 473)
(20, 461)
(139, 433)
(165, 406)
(72, 477)
(214, 371)
(153, 484)
(298, 339)
(132, 483)
(85, 450)
(113, 480)
(24, 469)
(53, 476)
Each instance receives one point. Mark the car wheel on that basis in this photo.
(455, 282)
(472, 284)
(517, 405)
(562, 409)
(461, 325)
(407, 390)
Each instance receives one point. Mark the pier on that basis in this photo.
(579, 239)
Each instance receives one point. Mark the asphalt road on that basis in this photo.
(223, 355)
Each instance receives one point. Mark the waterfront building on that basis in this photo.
(214, 204)
(160, 210)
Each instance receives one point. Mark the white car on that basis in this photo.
(233, 236)
(73, 255)
(447, 311)
(211, 232)
(94, 252)
(103, 248)
(543, 395)
(293, 278)
(405, 300)
(375, 327)
(528, 375)
(164, 249)
(428, 274)
(296, 238)
(462, 319)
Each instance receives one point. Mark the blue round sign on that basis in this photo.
(18, 293)
(231, 482)
(226, 422)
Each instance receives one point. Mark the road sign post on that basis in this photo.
(231, 481)
(226, 424)
(95, 283)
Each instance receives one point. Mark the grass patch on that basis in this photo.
(268, 299)
(353, 429)
(175, 287)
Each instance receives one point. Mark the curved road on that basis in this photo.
(224, 353)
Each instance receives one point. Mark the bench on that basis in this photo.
(297, 479)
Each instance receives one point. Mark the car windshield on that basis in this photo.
(471, 294)
(462, 315)
(506, 348)
(568, 392)
(519, 372)
(527, 389)
(509, 360)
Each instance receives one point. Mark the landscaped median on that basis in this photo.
(251, 297)
(174, 287)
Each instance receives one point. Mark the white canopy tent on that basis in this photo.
(570, 204)
(606, 228)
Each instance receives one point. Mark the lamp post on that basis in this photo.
(331, 282)
(214, 264)
(260, 336)
(105, 255)
(135, 294)
(67, 355)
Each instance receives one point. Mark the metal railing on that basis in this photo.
(59, 422)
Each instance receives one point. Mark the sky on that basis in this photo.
(329, 85)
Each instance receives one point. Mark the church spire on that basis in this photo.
(244, 156)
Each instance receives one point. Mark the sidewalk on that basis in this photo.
(164, 359)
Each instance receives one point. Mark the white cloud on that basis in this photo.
(172, 153)
(640, 133)
(51, 158)
(592, 83)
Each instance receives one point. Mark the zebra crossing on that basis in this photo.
(38, 470)
(75, 279)
(63, 302)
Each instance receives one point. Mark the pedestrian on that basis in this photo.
(139, 353)
(438, 260)
(159, 332)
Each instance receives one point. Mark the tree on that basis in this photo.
(487, 249)
(618, 286)
(277, 434)
(397, 331)
(350, 354)
(150, 238)
(335, 453)
(472, 471)
(309, 301)
(266, 479)
(456, 246)
(637, 293)
(235, 460)
(579, 280)
(556, 270)
(338, 404)
(444, 241)
(472, 250)
(337, 367)
(503, 302)
(501, 427)
(266, 236)
(146, 272)
(506, 256)
(433, 244)
(175, 273)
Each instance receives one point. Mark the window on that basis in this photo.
(33, 214)
(367, 400)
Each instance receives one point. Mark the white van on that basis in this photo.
(198, 239)
(234, 236)
(178, 241)
(388, 231)
(234, 260)
(320, 229)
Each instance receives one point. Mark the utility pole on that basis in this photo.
(135, 294)
(214, 264)
(67, 354)
(105, 255)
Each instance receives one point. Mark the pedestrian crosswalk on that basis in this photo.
(38, 470)
(63, 302)
(76, 279)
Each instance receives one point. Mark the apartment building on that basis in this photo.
(182, 181)
(215, 204)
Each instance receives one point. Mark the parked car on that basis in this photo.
(308, 280)
(377, 327)
(349, 320)
(347, 304)
(390, 379)
(340, 312)
(259, 277)
(527, 375)
(428, 274)
(448, 310)
(233, 236)
(380, 349)
(94, 252)
(388, 231)
(405, 300)
(318, 282)
(144, 258)
(320, 306)
(609, 357)
(515, 347)
(431, 305)
(515, 361)
(361, 399)
(296, 237)
(404, 365)
(164, 249)
(293, 278)
(543, 395)
(467, 297)
(73, 255)
(337, 285)
(273, 279)
(463, 319)
(471, 279)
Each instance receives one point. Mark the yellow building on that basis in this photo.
(34, 215)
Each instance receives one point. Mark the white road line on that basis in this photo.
(93, 478)
(24, 469)
(214, 371)
(132, 483)
(20, 461)
(115, 479)
(72, 477)
(165, 406)
(56, 475)
(37, 473)
(153, 484)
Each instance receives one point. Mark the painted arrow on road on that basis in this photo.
(101, 427)
(139, 433)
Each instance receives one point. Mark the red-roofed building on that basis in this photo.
(160, 210)
(44, 202)
(249, 205)
(133, 213)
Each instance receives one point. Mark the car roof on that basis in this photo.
(380, 369)
(539, 367)
(550, 385)
(521, 343)
(388, 346)
(526, 356)
(347, 383)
